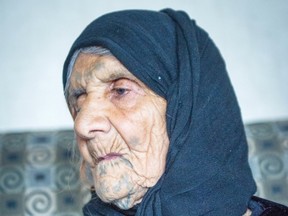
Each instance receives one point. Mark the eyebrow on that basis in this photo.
(115, 75)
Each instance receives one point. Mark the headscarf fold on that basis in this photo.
(207, 171)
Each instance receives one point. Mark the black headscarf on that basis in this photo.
(207, 171)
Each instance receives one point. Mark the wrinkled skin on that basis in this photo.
(120, 128)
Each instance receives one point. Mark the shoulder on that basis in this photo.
(263, 207)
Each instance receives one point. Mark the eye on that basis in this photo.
(120, 91)
(122, 88)
(125, 93)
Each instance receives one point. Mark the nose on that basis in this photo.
(92, 120)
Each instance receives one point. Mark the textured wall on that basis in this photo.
(35, 37)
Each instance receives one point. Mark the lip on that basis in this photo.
(109, 156)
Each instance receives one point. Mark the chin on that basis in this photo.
(124, 203)
(119, 192)
(109, 194)
(115, 182)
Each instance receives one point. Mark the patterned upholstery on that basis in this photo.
(39, 170)
(268, 158)
(39, 175)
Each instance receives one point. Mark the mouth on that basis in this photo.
(109, 156)
(96, 159)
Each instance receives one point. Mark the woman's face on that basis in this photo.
(120, 128)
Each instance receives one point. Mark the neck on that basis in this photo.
(248, 213)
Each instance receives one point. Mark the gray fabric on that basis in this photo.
(39, 176)
(26, 174)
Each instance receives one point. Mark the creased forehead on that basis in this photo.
(107, 67)
(89, 67)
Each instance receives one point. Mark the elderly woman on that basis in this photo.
(157, 121)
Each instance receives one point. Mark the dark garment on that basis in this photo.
(263, 207)
(207, 170)
(258, 206)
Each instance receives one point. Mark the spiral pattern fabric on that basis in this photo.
(40, 155)
(39, 172)
(11, 179)
(39, 175)
(67, 176)
(39, 202)
(268, 158)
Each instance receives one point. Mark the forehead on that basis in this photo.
(103, 67)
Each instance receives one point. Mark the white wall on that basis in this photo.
(35, 37)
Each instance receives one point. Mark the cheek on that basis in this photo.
(143, 128)
(82, 146)
(140, 126)
(134, 128)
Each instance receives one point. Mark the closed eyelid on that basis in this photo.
(74, 94)
(78, 92)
